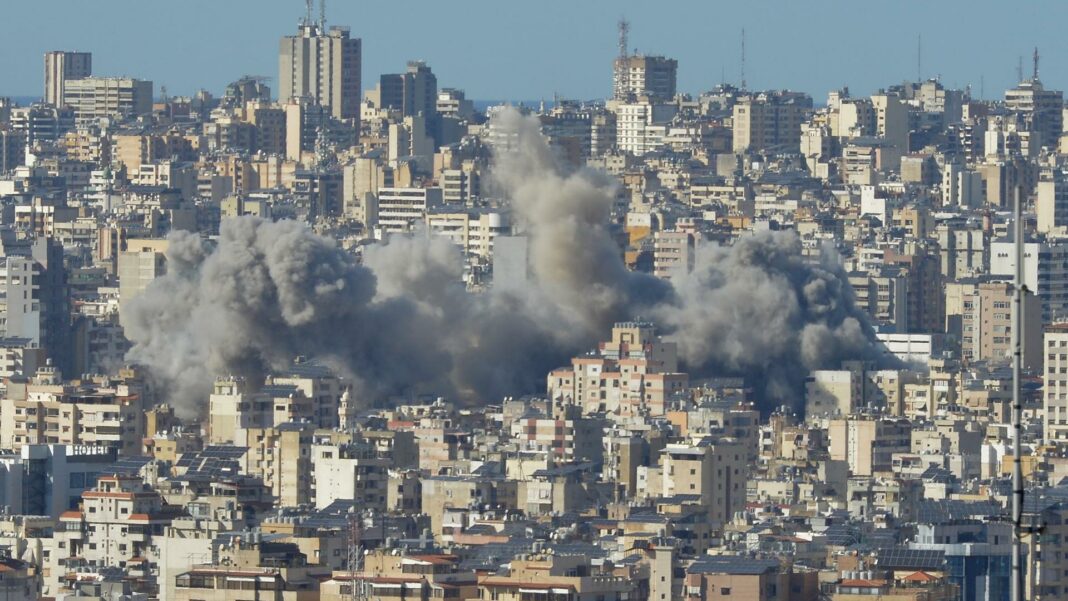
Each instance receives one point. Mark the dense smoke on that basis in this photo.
(403, 323)
(759, 309)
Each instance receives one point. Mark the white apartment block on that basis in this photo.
(1055, 383)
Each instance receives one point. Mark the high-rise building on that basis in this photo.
(61, 67)
(412, 93)
(1040, 108)
(36, 303)
(39, 122)
(638, 75)
(94, 98)
(716, 471)
(1055, 383)
(323, 66)
(979, 316)
(640, 125)
(1045, 272)
(1051, 203)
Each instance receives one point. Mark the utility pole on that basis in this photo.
(1017, 593)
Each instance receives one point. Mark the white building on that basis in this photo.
(1055, 384)
(399, 209)
(1045, 272)
(640, 125)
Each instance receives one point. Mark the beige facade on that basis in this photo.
(45, 411)
(117, 526)
(980, 315)
(867, 444)
(716, 472)
(633, 373)
(321, 66)
(61, 67)
(1055, 383)
(570, 577)
(94, 98)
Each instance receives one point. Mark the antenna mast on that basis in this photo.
(621, 73)
(1034, 71)
(322, 15)
(354, 553)
(919, 58)
(743, 59)
(308, 12)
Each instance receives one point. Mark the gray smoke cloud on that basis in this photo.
(758, 309)
(402, 322)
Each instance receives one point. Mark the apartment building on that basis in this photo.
(634, 373)
(95, 98)
(47, 411)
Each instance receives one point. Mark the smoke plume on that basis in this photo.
(402, 322)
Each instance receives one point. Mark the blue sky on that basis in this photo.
(509, 50)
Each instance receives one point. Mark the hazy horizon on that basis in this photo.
(561, 48)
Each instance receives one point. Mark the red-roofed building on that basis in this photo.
(114, 528)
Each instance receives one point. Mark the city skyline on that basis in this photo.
(582, 43)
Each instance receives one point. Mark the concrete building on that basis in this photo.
(833, 392)
(414, 92)
(473, 230)
(979, 316)
(238, 412)
(640, 125)
(634, 373)
(46, 411)
(95, 98)
(1045, 272)
(964, 251)
(716, 471)
(139, 265)
(1041, 109)
(574, 576)
(120, 518)
(638, 75)
(868, 444)
(1051, 204)
(355, 470)
(1055, 383)
(401, 209)
(768, 120)
(35, 303)
(61, 67)
(961, 186)
(322, 66)
(673, 252)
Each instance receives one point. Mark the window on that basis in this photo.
(725, 591)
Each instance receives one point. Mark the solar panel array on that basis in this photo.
(130, 465)
(841, 535)
(213, 462)
(951, 510)
(730, 564)
(902, 558)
